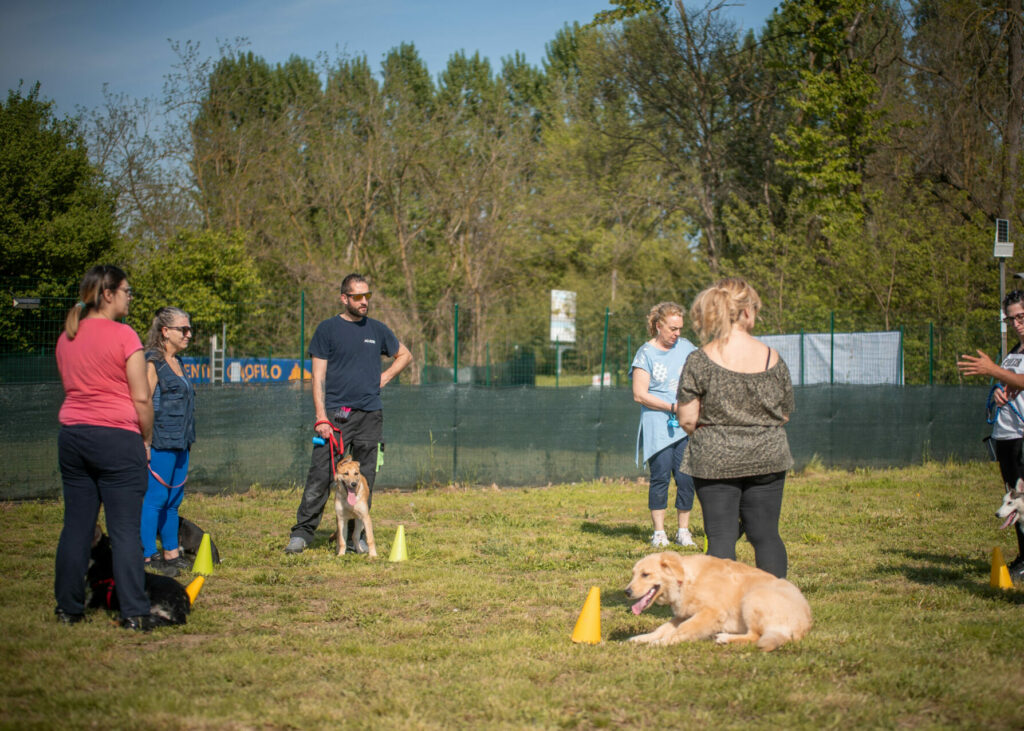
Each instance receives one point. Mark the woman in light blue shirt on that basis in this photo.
(655, 373)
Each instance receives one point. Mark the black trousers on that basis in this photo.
(1008, 453)
(101, 465)
(361, 433)
(757, 502)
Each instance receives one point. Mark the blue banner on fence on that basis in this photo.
(250, 370)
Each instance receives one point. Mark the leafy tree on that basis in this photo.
(207, 273)
(56, 214)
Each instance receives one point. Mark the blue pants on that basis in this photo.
(663, 466)
(101, 464)
(757, 502)
(160, 508)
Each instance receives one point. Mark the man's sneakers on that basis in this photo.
(296, 545)
(659, 539)
(685, 539)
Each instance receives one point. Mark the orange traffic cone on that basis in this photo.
(193, 589)
(1000, 578)
(588, 626)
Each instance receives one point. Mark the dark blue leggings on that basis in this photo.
(757, 502)
(663, 466)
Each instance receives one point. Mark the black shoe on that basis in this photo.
(158, 565)
(142, 623)
(179, 562)
(66, 618)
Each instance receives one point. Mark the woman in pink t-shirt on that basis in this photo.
(106, 427)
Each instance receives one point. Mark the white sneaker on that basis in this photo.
(659, 539)
(684, 538)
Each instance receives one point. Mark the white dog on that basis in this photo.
(1013, 505)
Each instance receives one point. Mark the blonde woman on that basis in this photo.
(106, 424)
(734, 398)
(655, 373)
(174, 431)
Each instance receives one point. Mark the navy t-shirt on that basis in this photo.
(352, 351)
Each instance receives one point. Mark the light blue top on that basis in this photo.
(664, 366)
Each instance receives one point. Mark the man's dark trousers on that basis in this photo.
(361, 433)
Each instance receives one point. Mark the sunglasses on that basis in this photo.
(359, 297)
(186, 331)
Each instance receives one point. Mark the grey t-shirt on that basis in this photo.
(740, 429)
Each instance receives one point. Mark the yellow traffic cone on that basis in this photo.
(193, 589)
(204, 557)
(588, 626)
(1000, 574)
(398, 547)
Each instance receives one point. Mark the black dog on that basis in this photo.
(168, 601)
(190, 536)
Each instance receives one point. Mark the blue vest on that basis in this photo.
(174, 422)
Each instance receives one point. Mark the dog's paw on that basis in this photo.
(722, 638)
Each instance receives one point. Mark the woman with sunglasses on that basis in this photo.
(1007, 396)
(106, 420)
(174, 431)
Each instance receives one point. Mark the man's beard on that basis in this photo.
(355, 310)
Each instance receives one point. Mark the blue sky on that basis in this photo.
(74, 48)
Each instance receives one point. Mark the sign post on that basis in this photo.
(563, 325)
(1003, 249)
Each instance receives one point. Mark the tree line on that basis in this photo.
(849, 157)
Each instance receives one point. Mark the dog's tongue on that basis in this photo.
(645, 601)
(350, 496)
(1009, 521)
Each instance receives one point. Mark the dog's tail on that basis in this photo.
(773, 639)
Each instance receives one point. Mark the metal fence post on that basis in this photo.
(832, 348)
(302, 338)
(455, 350)
(604, 347)
(931, 353)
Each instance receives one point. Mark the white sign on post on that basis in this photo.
(563, 316)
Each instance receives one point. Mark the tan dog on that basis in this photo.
(352, 501)
(716, 597)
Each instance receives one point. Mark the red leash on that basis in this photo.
(161, 480)
(336, 444)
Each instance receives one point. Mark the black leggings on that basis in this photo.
(757, 502)
(1008, 452)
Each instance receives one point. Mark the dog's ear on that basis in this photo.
(1019, 487)
(672, 563)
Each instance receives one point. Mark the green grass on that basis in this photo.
(474, 629)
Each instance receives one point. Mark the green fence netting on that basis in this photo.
(436, 434)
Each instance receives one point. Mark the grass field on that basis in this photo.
(473, 631)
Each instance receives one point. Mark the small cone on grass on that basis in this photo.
(193, 589)
(588, 626)
(1000, 574)
(398, 547)
(204, 558)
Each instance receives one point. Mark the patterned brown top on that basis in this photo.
(740, 428)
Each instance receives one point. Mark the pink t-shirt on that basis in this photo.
(92, 367)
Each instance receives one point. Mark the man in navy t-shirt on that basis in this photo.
(347, 380)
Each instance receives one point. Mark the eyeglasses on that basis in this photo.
(359, 297)
(127, 290)
(1014, 319)
(186, 331)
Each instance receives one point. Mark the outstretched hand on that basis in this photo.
(980, 365)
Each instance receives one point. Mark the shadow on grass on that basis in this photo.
(945, 569)
(630, 530)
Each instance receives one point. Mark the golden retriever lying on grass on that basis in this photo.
(716, 597)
